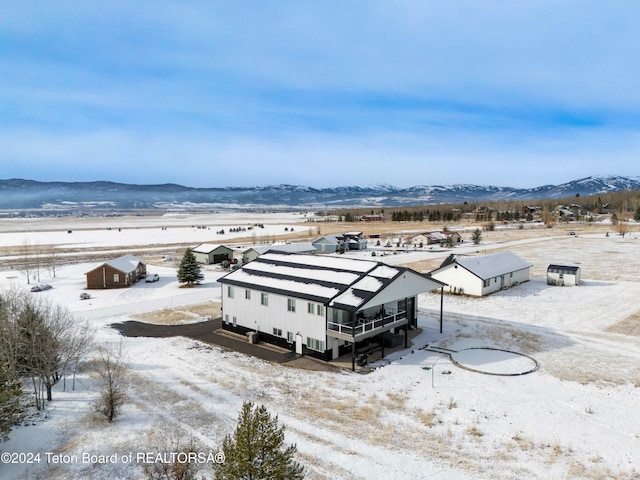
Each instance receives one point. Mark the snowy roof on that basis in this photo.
(127, 263)
(296, 247)
(207, 248)
(564, 268)
(489, 266)
(337, 281)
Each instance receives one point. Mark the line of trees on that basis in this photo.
(40, 344)
(625, 203)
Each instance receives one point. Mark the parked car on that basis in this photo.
(41, 287)
(85, 296)
(152, 277)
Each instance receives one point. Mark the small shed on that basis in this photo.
(208, 253)
(119, 273)
(563, 275)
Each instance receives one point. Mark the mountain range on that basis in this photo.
(101, 196)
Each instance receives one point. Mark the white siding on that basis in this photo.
(458, 278)
(250, 313)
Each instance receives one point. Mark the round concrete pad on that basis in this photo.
(494, 361)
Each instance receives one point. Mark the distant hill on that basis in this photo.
(16, 194)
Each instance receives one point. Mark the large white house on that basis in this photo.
(322, 306)
(482, 274)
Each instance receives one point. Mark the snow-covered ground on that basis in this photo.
(417, 415)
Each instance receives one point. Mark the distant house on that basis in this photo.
(318, 305)
(563, 275)
(564, 212)
(327, 244)
(292, 247)
(483, 274)
(531, 209)
(372, 218)
(347, 241)
(431, 238)
(208, 253)
(119, 273)
(251, 253)
(355, 241)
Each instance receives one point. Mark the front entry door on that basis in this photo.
(298, 344)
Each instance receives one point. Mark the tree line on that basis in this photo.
(41, 343)
(625, 204)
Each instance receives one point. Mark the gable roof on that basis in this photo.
(564, 268)
(208, 248)
(488, 266)
(336, 281)
(295, 247)
(126, 263)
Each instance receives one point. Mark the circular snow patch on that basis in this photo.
(494, 361)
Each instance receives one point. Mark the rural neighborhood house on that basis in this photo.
(321, 306)
(482, 274)
(119, 273)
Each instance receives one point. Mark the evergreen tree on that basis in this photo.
(476, 236)
(255, 451)
(10, 408)
(189, 271)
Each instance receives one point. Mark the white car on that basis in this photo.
(152, 277)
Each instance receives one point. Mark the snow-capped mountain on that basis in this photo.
(56, 196)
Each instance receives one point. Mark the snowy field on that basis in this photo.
(417, 415)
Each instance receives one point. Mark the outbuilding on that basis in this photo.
(481, 275)
(119, 273)
(563, 275)
(208, 253)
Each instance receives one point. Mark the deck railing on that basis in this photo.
(358, 327)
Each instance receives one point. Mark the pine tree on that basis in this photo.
(189, 271)
(10, 408)
(476, 236)
(255, 451)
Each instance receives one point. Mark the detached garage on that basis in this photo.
(208, 253)
(563, 275)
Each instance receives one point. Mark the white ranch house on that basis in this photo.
(483, 274)
(322, 306)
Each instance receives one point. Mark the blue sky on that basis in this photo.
(212, 93)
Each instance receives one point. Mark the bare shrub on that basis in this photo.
(112, 372)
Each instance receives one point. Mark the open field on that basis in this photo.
(416, 415)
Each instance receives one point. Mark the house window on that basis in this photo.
(290, 337)
(229, 291)
(314, 344)
(487, 282)
(264, 299)
(116, 278)
(291, 304)
(247, 294)
(311, 308)
(277, 332)
(320, 309)
(234, 321)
